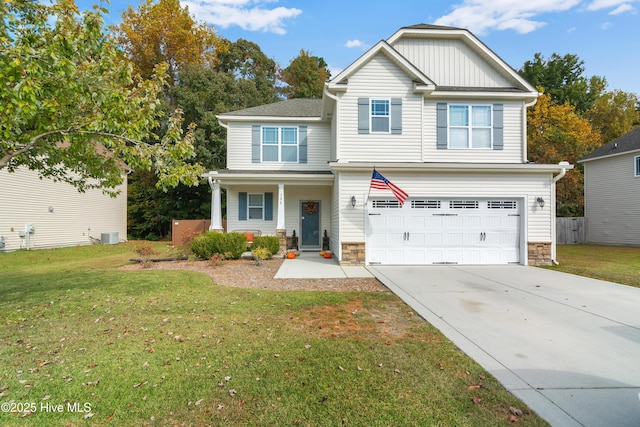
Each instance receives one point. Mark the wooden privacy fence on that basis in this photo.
(570, 231)
(185, 229)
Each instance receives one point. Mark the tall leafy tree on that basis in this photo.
(165, 32)
(305, 76)
(562, 79)
(557, 133)
(614, 114)
(72, 109)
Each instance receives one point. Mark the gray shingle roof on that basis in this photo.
(431, 27)
(627, 142)
(299, 107)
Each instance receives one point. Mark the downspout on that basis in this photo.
(336, 234)
(524, 129)
(553, 199)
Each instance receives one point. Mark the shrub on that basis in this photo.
(210, 243)
(260, 254)
(270, 243)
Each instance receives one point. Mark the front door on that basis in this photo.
(310, 224)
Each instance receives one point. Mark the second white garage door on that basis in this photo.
(443, 231)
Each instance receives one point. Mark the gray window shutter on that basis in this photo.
(242, 206)
(255, 144)
(302, 144)
(363, 115)
(498, 130)
(396, 116)
(442, 125)
(268, 206)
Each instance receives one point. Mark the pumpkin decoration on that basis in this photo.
(291, 255)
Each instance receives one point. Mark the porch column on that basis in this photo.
(281, 232)
(216, 206)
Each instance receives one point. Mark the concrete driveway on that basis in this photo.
(568, 346)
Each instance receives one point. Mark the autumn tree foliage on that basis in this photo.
(556, 133)
(305, 76)
(614, 114)
(164, 32)
(72, 108)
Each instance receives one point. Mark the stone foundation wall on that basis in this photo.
(282, 236)
(352, 253)
(540, 253)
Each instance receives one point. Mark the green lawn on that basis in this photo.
(613, 263)
(111, 347)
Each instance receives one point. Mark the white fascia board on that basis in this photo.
(424, 83)
(453, 167)
(261, 178)
(462, 94)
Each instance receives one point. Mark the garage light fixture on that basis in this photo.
(540, 201)
(353, 201)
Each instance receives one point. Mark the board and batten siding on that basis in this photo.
(293, 195)
(379, 78)
(26, 199)
(612, 200)
(512, 151)
(447, 185)
(450, 62)
(239, 147)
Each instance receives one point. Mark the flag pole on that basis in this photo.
(369, 193)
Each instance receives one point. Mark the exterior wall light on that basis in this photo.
(353, 201)
(540, 201)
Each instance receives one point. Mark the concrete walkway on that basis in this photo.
(310, 265)
(568, 346)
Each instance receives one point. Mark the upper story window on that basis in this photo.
(470, 126)
(637, 164)
(272, 144)
(380, 115)
(279, 144)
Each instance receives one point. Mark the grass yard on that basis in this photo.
(84, 343)
(617, 264)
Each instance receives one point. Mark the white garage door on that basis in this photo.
(443, 231)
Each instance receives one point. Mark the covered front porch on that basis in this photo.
(284, 204)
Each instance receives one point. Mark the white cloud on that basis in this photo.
(618, 6)
(621, 9)
(354, 43)
(606, 25)
(481, 16)
(252, 15)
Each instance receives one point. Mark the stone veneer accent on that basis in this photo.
(540, 253)
(282, 235)
(352, 253)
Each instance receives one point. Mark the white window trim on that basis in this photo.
(371, 116)
(636, 166)
(280, 144)
(249, 206)
(469, 127)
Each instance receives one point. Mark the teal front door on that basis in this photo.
(310, 224)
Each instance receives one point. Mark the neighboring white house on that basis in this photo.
(438, 114)
(39, 213)
(612, 192)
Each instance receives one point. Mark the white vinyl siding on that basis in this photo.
(450, 63)
(26, 199)
(239, 138)
(293, 194)
(380, 78)
(612, 200)
(513, 143)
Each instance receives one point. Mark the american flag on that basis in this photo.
(379, 182)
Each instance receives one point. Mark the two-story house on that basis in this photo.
(438, 114)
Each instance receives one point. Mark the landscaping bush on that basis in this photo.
(210, 243)
(270, 243)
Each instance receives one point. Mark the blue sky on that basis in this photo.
(603, 33)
